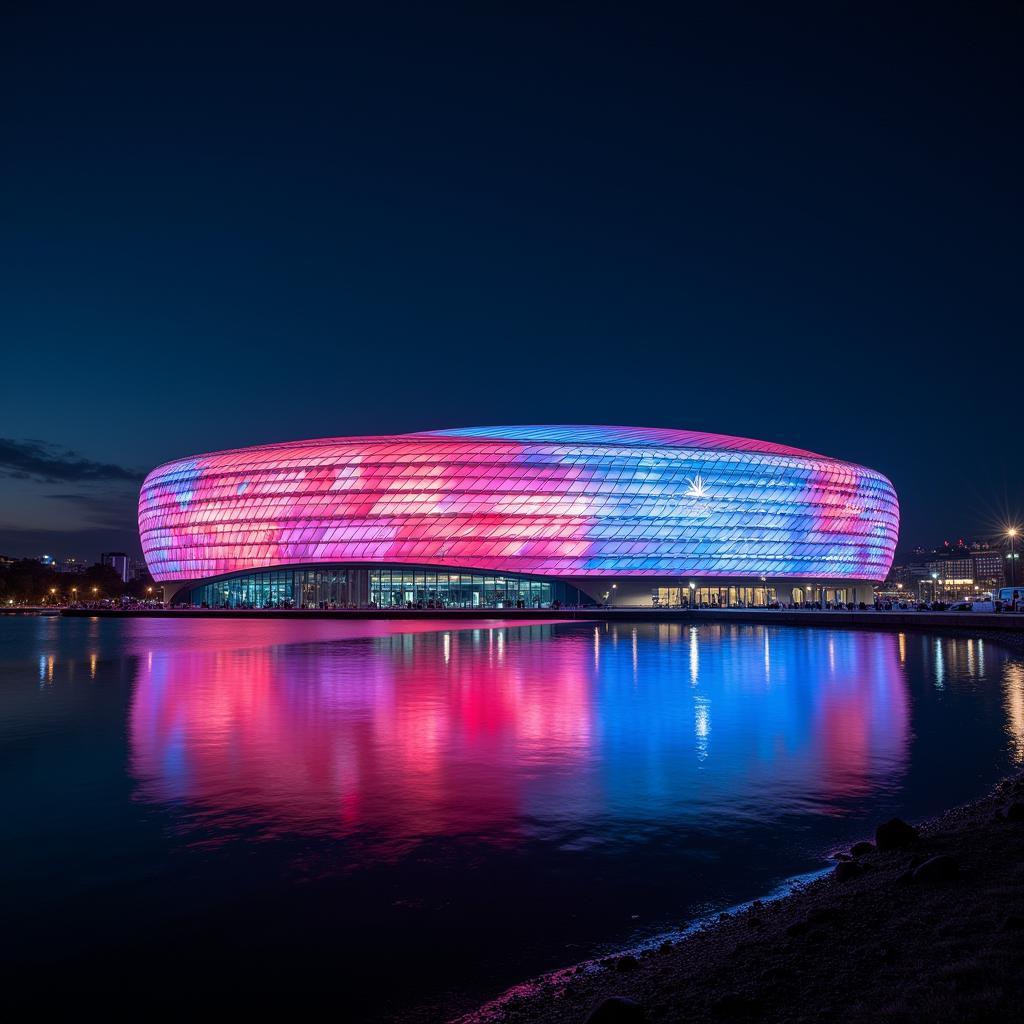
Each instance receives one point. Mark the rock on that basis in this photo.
(666, 946)
(616, 1010)
(841, 856)
(1015, 812)
(942, 868)
(797, 928)
(859, 849)
(845, 870)
(627, 963)
(894, 833)
(1013, 923)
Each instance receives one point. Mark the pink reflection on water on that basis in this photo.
(396, 732)
(862, 721)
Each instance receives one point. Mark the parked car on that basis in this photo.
(970, 605)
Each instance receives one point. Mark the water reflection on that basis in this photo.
(410, 799)
(1013, 696)
(518, 731)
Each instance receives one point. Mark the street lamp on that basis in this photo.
(935, 582)
(1012, 556)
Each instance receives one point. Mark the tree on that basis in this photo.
(28, 581)
(104, 578)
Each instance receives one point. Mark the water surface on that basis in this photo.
(410, 816)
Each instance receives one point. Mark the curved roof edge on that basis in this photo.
(627, 436)
(588, 434)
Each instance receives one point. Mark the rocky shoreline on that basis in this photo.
(924, 924)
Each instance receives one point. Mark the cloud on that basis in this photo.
(115, 511)
(40, 460)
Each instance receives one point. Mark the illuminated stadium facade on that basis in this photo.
(517, 517)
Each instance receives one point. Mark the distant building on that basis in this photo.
(952, 577)
(120, 562)
(951, 571)
(989, 569)
(907, 576)
(72, 565)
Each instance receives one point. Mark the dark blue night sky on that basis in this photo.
(801, 226)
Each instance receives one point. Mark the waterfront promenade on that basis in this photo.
(967, 622)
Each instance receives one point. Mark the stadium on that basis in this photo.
(517, 517)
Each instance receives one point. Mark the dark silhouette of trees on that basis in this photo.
(27, 581)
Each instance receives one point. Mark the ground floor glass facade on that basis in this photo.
(284, 588)
(714, 597)
(739, 596)
(396, 587)
(403, 588)
(340, 586)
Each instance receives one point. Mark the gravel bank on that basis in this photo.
(929, 929)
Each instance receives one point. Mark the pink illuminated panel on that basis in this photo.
(551, 501)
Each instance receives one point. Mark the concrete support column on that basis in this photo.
(172, 588)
